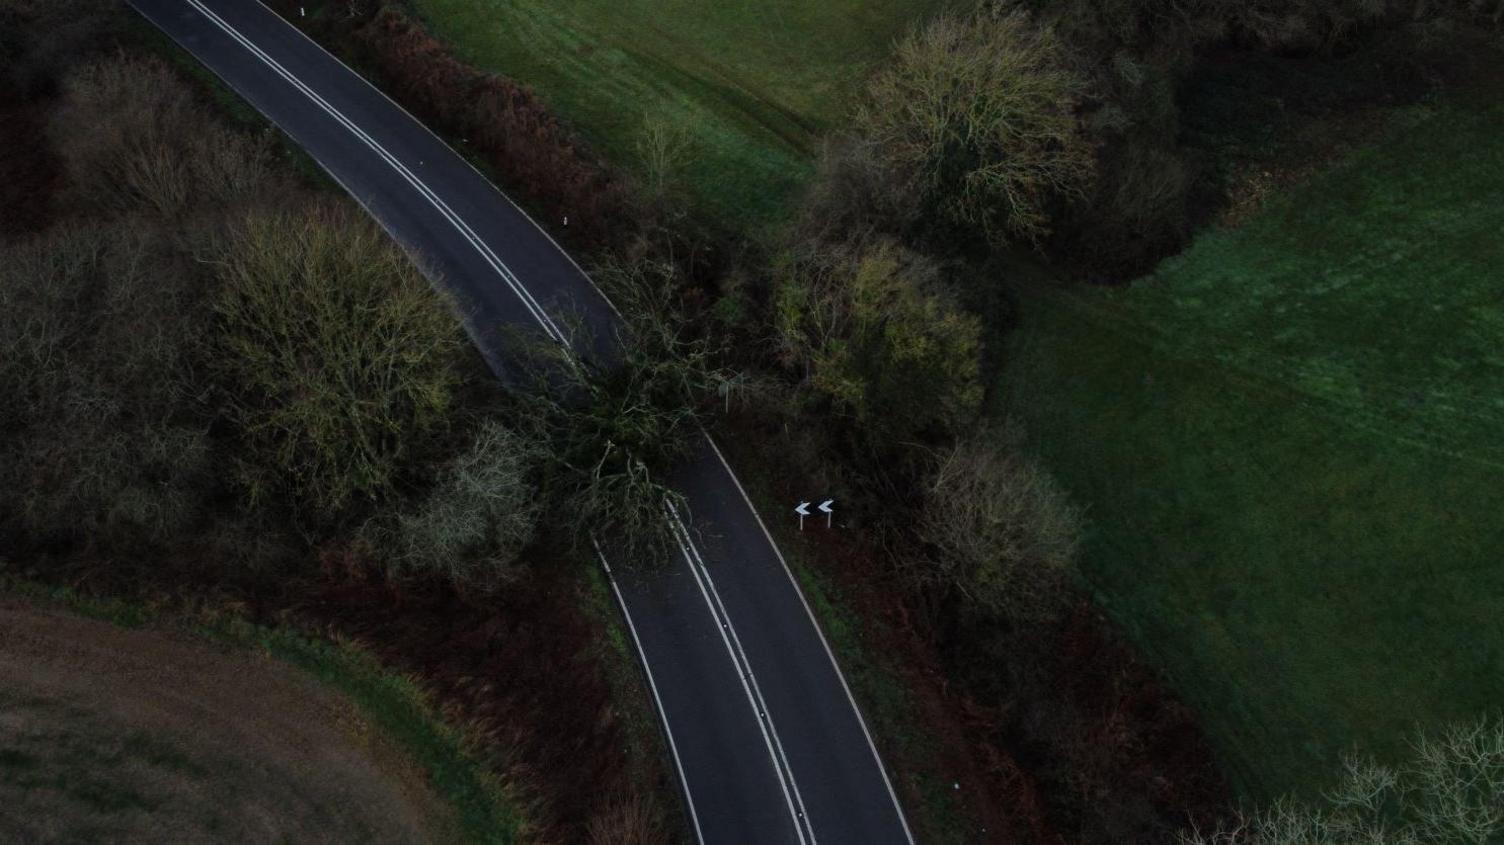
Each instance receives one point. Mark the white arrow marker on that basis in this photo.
(803, 511)
(825, 506)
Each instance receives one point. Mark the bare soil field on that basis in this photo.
(122, 734)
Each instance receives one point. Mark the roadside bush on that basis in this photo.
(855, 193)
(503, 120)
(634, 820)
(337, 360)
(479, 515)
(133, 138)
(977, 114)
(871, 329)
(1450, 793)
(1004, 535)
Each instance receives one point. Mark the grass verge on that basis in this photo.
(1288, 442)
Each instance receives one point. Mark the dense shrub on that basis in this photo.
(337, 358)
(855, 193)
(872, 329)
(101, 439)
(503, 120)
(132, 137)
(480, 513)
(41, 39)
(977, 116)
(1004, 534)
(1134, 56)
(38, 40)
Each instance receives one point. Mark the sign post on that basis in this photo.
(803, 511)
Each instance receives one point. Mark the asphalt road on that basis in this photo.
(769, 745)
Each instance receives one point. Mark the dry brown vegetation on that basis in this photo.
(134, 139)
(526, 669)
(500, 120)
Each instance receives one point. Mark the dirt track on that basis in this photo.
(116, 734)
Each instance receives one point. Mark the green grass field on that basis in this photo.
(753, 84)
(1291, 443)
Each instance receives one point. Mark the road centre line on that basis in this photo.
(485, 180)
(744, 673)
(746, 666)
(861, 720)
(458, 223)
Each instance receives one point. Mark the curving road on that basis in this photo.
(768, 743)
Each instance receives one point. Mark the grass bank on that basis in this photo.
(751, 86)
(1288, 439)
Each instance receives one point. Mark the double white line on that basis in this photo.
(792, 798)
(402, 170)
(743, 666)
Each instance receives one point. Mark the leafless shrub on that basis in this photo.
(635, 820)
(479, 515)
(1458, 784)
(855, 192)
(133, 138)
(663, 147)
(1451, 793)
(99, 333)
(1005, 536)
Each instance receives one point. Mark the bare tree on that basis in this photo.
(337, 357)
(978, 113)
(481, 512)
(1004, 534)
(1451, 793)
(613, 432)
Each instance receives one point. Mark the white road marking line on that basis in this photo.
(721, 613)
(483, 178)
(458, 223)
(552, 329)
(897, 808)
(657, 699)
(764, 718)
